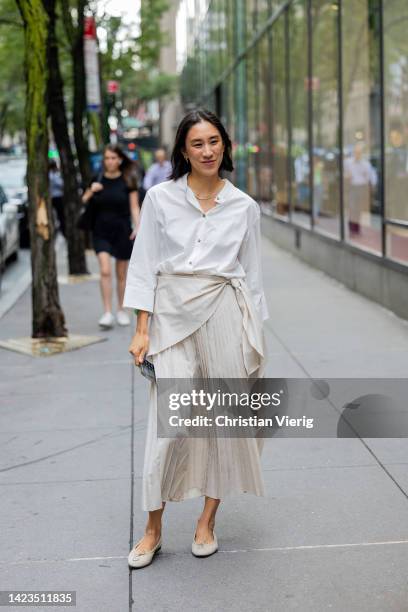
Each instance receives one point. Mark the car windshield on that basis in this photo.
(12, 173)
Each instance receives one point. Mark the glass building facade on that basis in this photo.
(314, 94)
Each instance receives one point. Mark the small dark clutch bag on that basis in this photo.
(86, 217)
(147, 370)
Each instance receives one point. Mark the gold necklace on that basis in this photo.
(207, 197)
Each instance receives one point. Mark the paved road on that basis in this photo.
(331, 533)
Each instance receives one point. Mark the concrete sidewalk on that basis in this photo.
(331, 532)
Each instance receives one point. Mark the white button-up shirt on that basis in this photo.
(176, 236)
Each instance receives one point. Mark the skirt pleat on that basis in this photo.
(181, 468)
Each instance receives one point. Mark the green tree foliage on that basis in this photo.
(11, 69)
(152, 38)
(133, 59)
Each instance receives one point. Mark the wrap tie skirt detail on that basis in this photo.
(203, 326)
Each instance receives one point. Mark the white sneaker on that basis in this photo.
(122, 317)
(107, 320)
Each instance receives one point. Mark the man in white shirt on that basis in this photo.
(360, 176)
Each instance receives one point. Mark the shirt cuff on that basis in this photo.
(260, 306)
(139, 299)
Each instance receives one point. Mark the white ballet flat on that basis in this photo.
(204, 550)
(138, 560)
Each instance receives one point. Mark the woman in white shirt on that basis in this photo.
(195, 281)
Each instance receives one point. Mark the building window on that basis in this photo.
(265, 120)
(317, 111)
(253, 138)
(280, 134)
(324, 85)
(299, 84)
(362, 123)
(395, 22)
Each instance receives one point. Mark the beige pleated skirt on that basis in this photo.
(182, 468)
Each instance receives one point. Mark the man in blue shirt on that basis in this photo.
(158, 171)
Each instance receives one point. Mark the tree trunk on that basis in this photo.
(48, 317)
(56, 106)
(79, 101)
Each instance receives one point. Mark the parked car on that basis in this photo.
(19, 197)
(9, 230)
(13, 181)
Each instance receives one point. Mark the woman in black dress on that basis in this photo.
(116, 207)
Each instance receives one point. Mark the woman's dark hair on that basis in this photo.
(127, 166)
(179, 164)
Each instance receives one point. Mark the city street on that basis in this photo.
(110, 108)
(331, 533)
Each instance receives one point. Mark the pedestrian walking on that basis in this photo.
(195, 280)
(360, 178)
(116, 209)
(57, 193)
(159, 171)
